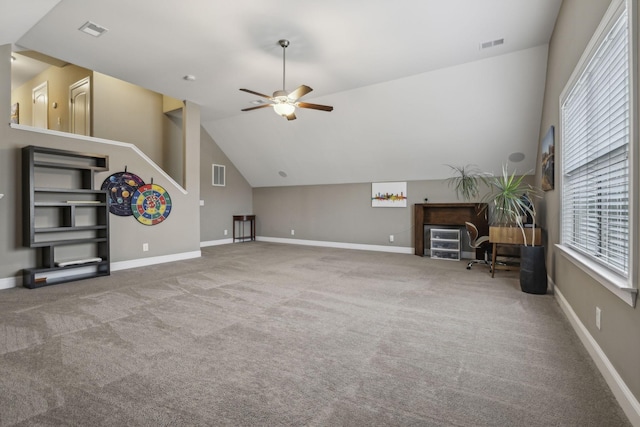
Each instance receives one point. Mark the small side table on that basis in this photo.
(242, 219)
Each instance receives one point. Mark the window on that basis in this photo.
(218, 172)
(596, 131)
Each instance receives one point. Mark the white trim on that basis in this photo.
(143, 262)
(617, 285)
(10, 282)
(216, 242)
(13, 282)
(624, 396)
(362, 247)
(103, 141)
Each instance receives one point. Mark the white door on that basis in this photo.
(80, 107)
(40, 114)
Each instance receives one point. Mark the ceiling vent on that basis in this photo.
(93, 29)
(492, 43)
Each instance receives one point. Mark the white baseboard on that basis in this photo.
(216, 242)
(626, 399)
(362, 247)
(143, 262)
(10, 282)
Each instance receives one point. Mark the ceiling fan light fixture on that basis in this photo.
(284, 103)
(283, 109)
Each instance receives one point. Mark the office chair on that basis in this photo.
(476, 243)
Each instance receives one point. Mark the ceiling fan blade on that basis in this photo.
(256, 93)
(255, 108)
(314, 106)
(291, 116)
(299, 92)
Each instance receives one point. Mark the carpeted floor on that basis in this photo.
(268, 334)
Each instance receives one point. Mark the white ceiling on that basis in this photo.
(412, 91)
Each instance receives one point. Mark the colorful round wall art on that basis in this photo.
(120, 188)
(151, 204)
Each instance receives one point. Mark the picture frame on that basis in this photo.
(547, 160)
(389, 195)
(15, 113)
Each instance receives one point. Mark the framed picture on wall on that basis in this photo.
(15, 113)
(547, 160)
(389, 195)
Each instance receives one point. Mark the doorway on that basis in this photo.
(40, 115)
(80, 107)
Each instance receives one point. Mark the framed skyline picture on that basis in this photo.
(547, 160)
(389, 195)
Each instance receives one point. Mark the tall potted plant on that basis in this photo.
(465, 181)
(510, 200)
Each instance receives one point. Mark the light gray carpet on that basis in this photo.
(266, 334)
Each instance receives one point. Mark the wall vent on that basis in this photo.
(219, 175)
(492, 43)
(93, 29)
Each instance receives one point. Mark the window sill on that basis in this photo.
(616, 284)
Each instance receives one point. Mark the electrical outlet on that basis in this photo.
(145, 247)
(598, 316)
(226, 232)
(293, 232)
(391, 238)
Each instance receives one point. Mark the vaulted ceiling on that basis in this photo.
(411, 88)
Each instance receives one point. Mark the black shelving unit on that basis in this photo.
(68, 220)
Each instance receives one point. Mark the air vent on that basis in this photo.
(492, 43)
(218, 172)
(93, 29)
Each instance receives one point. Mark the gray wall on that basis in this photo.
(220, 203)
(180, 233)
(619, 337)
(342, 212)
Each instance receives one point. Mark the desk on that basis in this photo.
(242, 219)
(510, 236)
(448, 214)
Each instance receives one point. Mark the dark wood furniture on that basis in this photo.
(499, 236)
(448, 214)
(241, 220)
(65, 219)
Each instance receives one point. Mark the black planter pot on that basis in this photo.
(533, 272)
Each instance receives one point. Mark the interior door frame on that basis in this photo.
(42, 86)
(89, 122)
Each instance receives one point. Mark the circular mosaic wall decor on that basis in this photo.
(120, 189)
(151, 204)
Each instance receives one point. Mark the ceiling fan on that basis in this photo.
(283, 103)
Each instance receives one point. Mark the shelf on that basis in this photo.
(54, 165)
(63, 204)
(69, 242)
(35, 275)
(69, 228)
(66, 190)
(67, 217)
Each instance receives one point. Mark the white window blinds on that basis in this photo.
(595, 154)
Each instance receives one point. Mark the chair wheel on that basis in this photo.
(468, 267)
